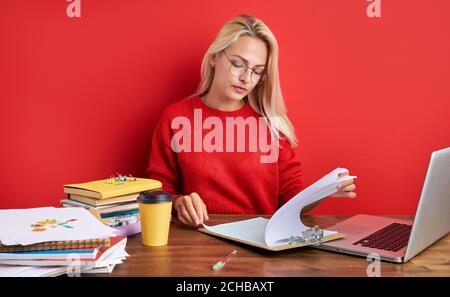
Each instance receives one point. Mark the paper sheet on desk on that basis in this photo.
(286, 221)
(74, 223)
(5, 222)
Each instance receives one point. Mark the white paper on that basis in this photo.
(23, 268)
(43, 272)
(19, 224)
(112, 253)
(114, 258)
(9, 270)
(286, 221)
(108, 269)
(251, 230)
(110, 256)
(30, 271)
(5, 222)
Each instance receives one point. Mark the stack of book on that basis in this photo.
(52, 241)
(113, 200)
(65, 257)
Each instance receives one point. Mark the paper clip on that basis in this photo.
(120, 179)
(131, 178)
(311, 236)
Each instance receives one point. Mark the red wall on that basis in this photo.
(80, 96)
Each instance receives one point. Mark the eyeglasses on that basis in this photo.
(238, 68)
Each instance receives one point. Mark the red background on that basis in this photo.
(80, 97)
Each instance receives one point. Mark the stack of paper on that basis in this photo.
(28, 234)
(30, 271)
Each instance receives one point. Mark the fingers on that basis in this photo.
(205, 212)
(342, 174)
(191, 209)
(183, 214)
(351, 195)
(200, 207)
(346, 188)
(349, 188)
(341, 186)
(184, 217)
(345, 194)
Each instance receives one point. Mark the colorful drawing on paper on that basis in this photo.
(43, 225)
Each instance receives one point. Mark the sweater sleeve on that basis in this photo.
(290, 174)
(163, 164)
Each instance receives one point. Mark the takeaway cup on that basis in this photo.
(155, 210)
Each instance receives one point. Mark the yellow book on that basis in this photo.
(107, 188)
(101, 202)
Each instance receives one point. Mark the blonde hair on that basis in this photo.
(266, 98)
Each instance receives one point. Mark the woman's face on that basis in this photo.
(231, 81)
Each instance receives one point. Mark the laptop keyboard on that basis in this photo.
(393, 237)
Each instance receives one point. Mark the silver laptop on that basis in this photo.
(396, 240)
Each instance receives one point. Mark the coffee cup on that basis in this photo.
(155, 209)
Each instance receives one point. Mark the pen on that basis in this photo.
(220, 264)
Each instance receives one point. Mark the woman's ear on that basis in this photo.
(213, 60)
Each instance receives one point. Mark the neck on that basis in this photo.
(216, 102)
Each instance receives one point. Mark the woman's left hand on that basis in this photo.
(346, 188)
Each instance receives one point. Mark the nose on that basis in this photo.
(246, 76)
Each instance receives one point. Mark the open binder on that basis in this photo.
(285, 229)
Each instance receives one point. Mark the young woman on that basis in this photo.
(199, 156)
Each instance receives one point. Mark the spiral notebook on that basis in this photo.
(58, 245)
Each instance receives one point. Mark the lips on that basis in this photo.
(240, 89)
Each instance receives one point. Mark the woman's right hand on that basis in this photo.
(191, 210)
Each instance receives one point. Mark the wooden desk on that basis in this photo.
(192, 253)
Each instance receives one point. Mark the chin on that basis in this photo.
(236, 96)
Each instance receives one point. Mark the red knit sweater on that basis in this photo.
(230, 181)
